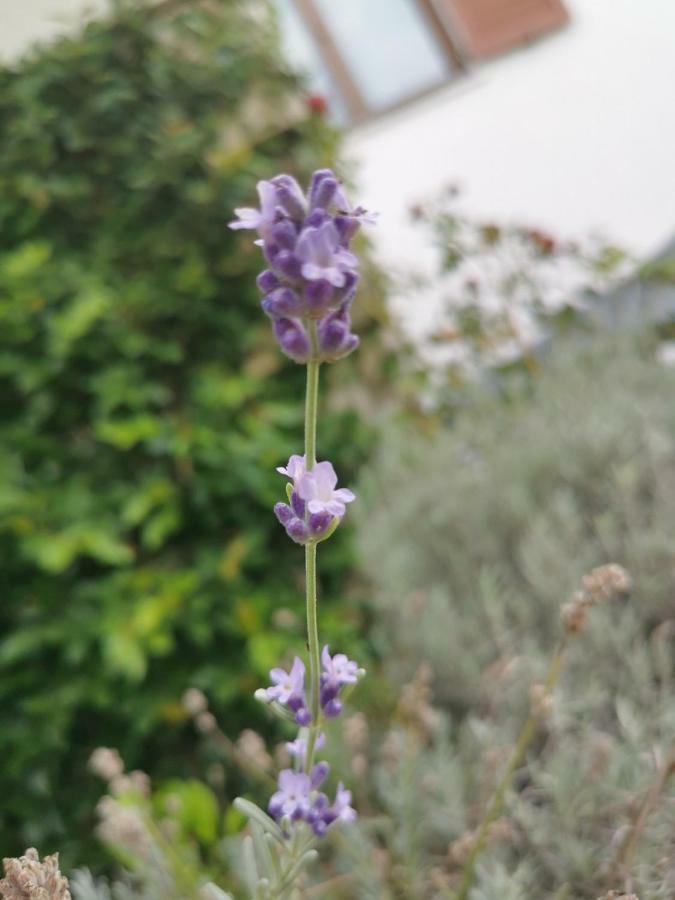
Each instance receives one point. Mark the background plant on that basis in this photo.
(506, 512)
(502, 291)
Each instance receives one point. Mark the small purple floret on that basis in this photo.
(314, 501)
(293, 339)
(298, 798)
(292, 798)
(287, 684)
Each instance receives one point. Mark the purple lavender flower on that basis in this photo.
(318, 814)
(294, 468)
(290, 197)
(312, 272)
(298, 747)
(298, 798)
(321, 815)
(335, 338)
(323, 189)
(285, 684)
(319, 774)
(288, 689)
(322, 256)
(263, 219)
(292, 798)
(314, 504)
(342, 808)
(338, 669)
(317, 488)
(337, 672)
(293, 339)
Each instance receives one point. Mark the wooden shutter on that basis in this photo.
(487, 27)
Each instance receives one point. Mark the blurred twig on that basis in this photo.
(620, 868)
(496, 806)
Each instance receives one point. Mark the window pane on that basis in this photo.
(388, 46)
(303, 54)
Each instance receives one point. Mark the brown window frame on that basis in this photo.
(460, 37)
(357, 107)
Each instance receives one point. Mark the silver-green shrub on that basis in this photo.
(494, 521)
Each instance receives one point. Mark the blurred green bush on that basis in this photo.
(143, 404)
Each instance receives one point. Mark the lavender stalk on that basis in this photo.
(308, 289)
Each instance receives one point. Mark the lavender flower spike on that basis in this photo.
(308, 284)
(317, 488)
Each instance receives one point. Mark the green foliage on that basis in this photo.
(144, 404)
(494, 523)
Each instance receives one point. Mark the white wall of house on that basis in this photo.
(23, 22)
(575, 134)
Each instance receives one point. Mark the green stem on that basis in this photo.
(499, 797)
(313, 647)
(311, 404)
(311, 415)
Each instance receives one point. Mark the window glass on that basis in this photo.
(303, 54)
(387, 45)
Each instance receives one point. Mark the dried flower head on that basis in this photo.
(194, 701)
(415, 708)
(26, 878)
(573, 614)
(605, 582)
(206, 723)
(355, 732)
(123, 826)
(500, 832)
(618, 895)
(600, 585)
(106, 763)
(252, 746)
(135, 782)
(541, 701)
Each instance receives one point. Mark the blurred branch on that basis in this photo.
(496, 806)
(621, 866)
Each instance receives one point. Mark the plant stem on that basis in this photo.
(499, 797)
(311, 403)
(311, 415)
(624, 857)
(313, 647)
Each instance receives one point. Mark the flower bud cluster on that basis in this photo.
(312, 275)
(598, 586)
(288, 689)
(299, 799)
(315, 507)
(27, 878)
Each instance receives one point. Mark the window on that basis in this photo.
(367, 56)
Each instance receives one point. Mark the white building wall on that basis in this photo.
(575, 134)
(23, 22)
